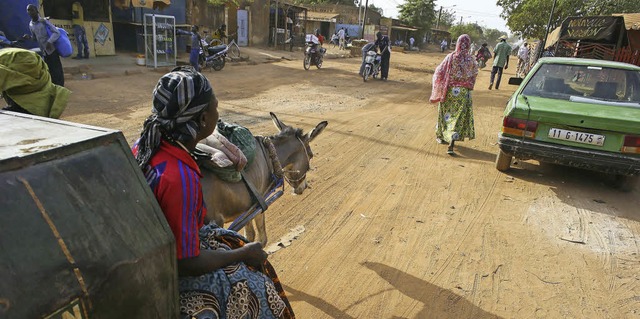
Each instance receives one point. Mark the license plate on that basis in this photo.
(578, 137)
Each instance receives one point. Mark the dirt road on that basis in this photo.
(396, 228)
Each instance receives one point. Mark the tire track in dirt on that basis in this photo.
(471, 224)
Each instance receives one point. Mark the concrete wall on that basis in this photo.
(259, 23)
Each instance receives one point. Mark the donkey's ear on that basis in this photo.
(317, 130)
(279, 125)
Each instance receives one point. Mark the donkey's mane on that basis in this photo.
(297, 132)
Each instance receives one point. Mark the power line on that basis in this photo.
(484, 14)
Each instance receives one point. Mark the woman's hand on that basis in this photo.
(254, 255)
(211, 260)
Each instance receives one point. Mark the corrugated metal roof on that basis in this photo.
(631, 20)
(552, 38)
(321, 16)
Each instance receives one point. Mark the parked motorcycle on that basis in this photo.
(372, 63)
(214, 57)
(313, 55)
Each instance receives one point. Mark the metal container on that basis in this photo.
(81, 234)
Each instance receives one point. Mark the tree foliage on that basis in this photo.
(477, 33)
(447, 19)
(418, 13)
(529, 17)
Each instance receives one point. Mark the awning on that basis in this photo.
(322, 16)
(552, 38)
(123, 4)
(397, 27)
(631, 20)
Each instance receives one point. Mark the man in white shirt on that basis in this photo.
(443, 45)
(341, 39)
(523, 60)
(411, 41)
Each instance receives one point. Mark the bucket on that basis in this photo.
(140, 60)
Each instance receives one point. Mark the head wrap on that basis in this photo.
(178, 100)
(25, 78)
(459, 68)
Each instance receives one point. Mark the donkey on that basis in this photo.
(226, 201)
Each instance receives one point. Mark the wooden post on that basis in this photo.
(275, 37)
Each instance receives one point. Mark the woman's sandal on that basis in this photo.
(450, 149)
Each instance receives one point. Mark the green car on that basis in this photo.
(577, 112)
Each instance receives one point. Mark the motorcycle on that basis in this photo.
(214, 57)
(372, 63)
(313, 55)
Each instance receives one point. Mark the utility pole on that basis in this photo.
(359, 4)
(546, 34)
(461, 20)
(364, 16)
(439, 15)
(275, 37)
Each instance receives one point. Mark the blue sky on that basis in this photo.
(484, 12)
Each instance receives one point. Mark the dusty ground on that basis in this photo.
(394, 227)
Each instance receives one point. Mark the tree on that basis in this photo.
(473, 30)
(418, 13)
(447, 19)
(491, 35)
(529, 17)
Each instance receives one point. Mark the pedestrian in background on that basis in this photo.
(341, 39)
(500, 61)
(40, 29)
(523, 60)
(453, 82)
(77, 19)
(443, 45)
(196, 43)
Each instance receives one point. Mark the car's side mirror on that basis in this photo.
(515, 81)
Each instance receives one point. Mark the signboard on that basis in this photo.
(243, 28)
(595, 29)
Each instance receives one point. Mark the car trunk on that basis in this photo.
(608, 122)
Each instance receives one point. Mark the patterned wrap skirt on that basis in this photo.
(455, 116)
(235, 291)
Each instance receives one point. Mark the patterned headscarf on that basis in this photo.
(178, 100)
(459, 68)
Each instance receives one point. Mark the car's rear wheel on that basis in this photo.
(626, 183)
(503, 161)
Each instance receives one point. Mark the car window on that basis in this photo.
(563, 81)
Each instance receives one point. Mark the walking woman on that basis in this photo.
(453, 82)
(221, 275)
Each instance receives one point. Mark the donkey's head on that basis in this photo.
(294, 152)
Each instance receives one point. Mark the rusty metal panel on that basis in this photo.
(80, 230)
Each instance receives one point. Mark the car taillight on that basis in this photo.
(519, 127)
(631, 144)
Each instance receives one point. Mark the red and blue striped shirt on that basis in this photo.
(174, 178)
